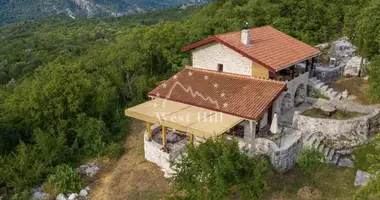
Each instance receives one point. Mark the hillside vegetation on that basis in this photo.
(65, 83)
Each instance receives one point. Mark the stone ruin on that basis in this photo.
(341, 58)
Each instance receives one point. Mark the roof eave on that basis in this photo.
(284, 67)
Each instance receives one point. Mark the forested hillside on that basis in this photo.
(65, 83)
(12, 11)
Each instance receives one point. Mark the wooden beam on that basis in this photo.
(164, 138)
(149, 130)
(192, 140)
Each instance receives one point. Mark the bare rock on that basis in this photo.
(39, 194)
(87, 188)
(353, 66)
(83, 193)
(61, 197)
(88, 170)
(72, 196)
(345, 94)
(362, 178)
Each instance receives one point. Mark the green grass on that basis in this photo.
(339, 114)
(361, 161)
(321, 96)
(332, 182)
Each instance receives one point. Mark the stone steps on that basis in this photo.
(325, 89)
(313, 141)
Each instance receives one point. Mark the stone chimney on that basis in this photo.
(245, 35)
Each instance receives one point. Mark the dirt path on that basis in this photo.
(131, 176)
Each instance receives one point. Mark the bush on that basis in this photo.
(217, 169)
(23, 195)
(361, 160)
(65, 180)
(310, 161)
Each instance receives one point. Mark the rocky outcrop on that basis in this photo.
(353, 66)
(362, 178)
(342, 50)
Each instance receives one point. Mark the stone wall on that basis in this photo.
(283, 158)
(340, 134)
(328, 74)
(286, 99)
(210, 55)
(154, 153)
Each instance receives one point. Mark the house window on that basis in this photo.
(220, 67)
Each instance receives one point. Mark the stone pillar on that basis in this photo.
(250, 132)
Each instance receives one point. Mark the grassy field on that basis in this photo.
(355, 86)
(330, 183)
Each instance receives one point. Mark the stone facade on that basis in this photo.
(287, 99)
(328, 74)
(210, 55)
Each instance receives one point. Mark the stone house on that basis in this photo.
(236, 84)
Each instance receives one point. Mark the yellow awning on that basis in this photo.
(187, 118)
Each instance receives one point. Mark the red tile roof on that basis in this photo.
(239, 95)
(270, 47)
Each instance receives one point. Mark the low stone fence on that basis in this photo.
(341, 134)
(154, 153)
(283, 158)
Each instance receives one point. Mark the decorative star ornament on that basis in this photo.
(158, 95)
(206, 77)
(175, 77)
(225, 105)
(190, 73)
(216, 85)
(164, 85)
(222, 95)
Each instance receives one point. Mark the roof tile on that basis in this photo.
(234, 94)
(270, 47)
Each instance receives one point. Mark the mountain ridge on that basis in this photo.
(20, 10)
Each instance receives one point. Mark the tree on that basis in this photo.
(217, 169)
(374, 79)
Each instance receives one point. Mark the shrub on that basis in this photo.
(64, 180)
(372, 189)
(113, 150)
(217, 169)
(361, 160)
(23, 195)
(310, 161)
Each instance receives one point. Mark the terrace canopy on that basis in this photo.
(190, 119)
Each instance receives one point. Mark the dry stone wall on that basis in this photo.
(340, 134)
